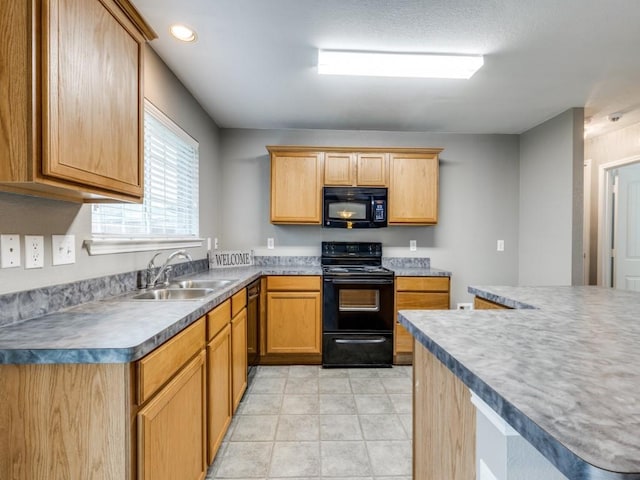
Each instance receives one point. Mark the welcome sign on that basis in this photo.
(235, 258)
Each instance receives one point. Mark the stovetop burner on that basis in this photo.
(353, 258)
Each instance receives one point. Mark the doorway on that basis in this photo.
(619, 224)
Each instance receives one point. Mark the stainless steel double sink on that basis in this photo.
(184, 290)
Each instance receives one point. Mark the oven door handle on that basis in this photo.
(359, 281)
(360, 340)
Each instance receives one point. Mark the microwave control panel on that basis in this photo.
(378, 210)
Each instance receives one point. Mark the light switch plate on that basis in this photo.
(9, 251)
(413, 245)
(33, 251)
(500, 246)
(63, 249)
(270, 243)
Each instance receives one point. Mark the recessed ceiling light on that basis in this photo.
(183, 33)
(384, 64)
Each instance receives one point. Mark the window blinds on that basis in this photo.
(170, 207)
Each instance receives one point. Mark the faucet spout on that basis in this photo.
(165, 268)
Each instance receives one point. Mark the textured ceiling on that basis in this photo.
(254, 63)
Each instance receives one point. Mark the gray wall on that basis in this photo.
(479, 177)
(35, 216)
(550, 213)
(610, 147)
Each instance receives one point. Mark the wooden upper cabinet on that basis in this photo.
(298, 174)
(339, 169)
(296, 186)
(372, 169)
(413, 188)
(75, 110)
(355, 169)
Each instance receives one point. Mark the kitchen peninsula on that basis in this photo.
(561, 367)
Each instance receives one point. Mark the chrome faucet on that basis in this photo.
(165, 269)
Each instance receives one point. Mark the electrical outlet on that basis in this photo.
(500, 245)
(270, 243)
(33, 251)
(63, 249)
(464, 306)
(9, 251)
(216, 245)
(413, 245)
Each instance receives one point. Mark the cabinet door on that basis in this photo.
(219, 388)
(482, 304)
(171, 428)
(238, 357)
(372, 169)
(411, 295)
(413, 189)
(339, 169)
(296, 187)
(293, 322)
(92, 108)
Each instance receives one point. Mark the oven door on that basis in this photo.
(357, 304)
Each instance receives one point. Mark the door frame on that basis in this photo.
(586, 225)
(606, 218)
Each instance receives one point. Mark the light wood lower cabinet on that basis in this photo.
(238, 347)
(482, 304)
(61, 422)
(171, 428)
(294, 319)
(219, 408)
(444, 422)
(416, 293)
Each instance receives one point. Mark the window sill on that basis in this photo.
(109, 246)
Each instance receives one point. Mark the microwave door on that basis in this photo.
(344, 211)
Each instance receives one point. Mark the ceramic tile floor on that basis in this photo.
(309, 423)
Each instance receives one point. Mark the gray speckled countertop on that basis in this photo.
(419, 272)
(563, 369)
(119, 329)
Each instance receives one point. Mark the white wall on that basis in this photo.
(478, 201)
(550, 212)
(36, 216)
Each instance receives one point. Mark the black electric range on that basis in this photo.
(358, 306)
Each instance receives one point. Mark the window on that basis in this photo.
(170, 207)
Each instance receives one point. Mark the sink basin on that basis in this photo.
(201, 284)
(174, 294)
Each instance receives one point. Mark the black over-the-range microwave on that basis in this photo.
(354, 207)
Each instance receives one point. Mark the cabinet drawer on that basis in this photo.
(218, 318)
(422, 284)
(159, 366)
(422, 301)
(238, 302)
(294, 283)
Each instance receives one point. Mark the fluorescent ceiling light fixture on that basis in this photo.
(384, 64)
(183, 33)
